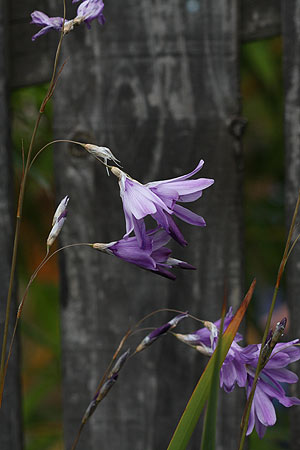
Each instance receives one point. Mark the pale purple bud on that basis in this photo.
(119, 363)
(60, 209)
(106, 387)
(155, 334)
(58, 220)
(56, 229)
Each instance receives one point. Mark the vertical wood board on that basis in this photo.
(158, 84)
(291, 72)
(10, 413)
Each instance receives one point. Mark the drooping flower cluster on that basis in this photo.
(239, 368)
(158, 199)
(87, 11)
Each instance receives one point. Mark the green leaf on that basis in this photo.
(208, 440)
(199, 397)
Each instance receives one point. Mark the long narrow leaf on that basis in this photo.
(208, 440)
(197, 401)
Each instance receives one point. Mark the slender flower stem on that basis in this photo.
(32, 278)
(64, 140)
(20, 208)
(286, 254)
(130, 332)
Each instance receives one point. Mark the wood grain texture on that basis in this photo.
(291, 71)
(29, 62)
(158, 84)
(260, 19)
(10, 413)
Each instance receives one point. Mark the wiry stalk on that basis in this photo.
(286, 254)
(20, 209)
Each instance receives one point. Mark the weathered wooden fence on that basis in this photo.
(159, 85)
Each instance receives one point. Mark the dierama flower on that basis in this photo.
(240, 365)
(268, 387)
(158, 199)
(58, 221)
(155, 257)
(160, 331)
(181, 189)
(87, 11)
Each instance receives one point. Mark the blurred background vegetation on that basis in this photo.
(261, 86)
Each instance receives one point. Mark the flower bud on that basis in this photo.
(58, 221)
(60, 209)
(119, 363)
(101, 152)
(155, 334)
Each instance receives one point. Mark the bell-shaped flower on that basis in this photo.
(87, 11)
(154, 257)
(269, 386)
(90, 10)
(240, 365)
(182, 189)
(48, 23)
(159, 199)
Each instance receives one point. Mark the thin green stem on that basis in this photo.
(51, 143)
(20, 209)
(286, 254)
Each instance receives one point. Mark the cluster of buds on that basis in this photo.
(106, 386)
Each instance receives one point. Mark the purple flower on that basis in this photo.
(158, 199)
(87, 11)
(90, 10)
(155, 257)
(49, 23)
(181, 189)
(205, 341)
(268, 387)
(239, 368)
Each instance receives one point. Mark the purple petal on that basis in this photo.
(251, 420)
(181, 178)
(264, 408)
(260, 428)
(175, 232)
(143, 240)
(43, 31)
(164, 273)
(130, 252)
(161, 255)
(159, 238)
(188, 216)
(281, 375)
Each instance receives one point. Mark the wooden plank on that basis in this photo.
(158, 84)
(10, 413)
(291, 70)
(30, 61)
(260, 19)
